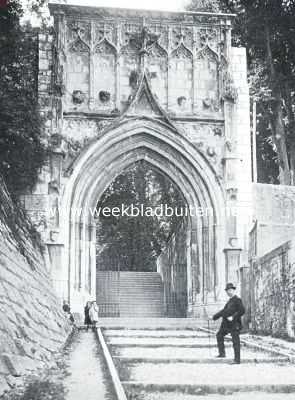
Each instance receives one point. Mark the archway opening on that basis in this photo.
(141, 217)
(172, 155)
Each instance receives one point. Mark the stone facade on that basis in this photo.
(117, 86)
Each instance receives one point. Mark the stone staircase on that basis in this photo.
(169, 364)
(132, 294)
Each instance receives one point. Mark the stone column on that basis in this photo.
(169, 83)
(80, 256)
(118, 68)
(189, 272)
(93, 259)
(76, 258)
(83, 265)
(91, 103)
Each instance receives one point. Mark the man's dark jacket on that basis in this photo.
(233, 308)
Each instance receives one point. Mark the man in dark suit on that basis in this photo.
(231, 323)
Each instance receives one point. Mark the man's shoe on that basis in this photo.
(220, 356)
(235, 362)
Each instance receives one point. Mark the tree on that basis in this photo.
(267, 29)
(134, 243)
(22, 148)
(204, 5)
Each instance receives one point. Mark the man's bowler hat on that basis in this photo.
(230, 286)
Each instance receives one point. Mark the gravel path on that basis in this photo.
(86, 378)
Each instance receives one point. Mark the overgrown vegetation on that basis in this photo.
(22, 146)
(23, 151)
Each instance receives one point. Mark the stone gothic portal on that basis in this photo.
(132, 279)
(167, 88)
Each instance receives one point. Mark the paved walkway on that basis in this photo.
(86, 379)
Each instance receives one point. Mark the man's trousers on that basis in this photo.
(235, 334)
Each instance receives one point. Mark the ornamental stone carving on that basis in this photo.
(78, 97)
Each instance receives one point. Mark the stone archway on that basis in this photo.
(134, 139)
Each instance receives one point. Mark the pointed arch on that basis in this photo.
(181, 71)
(157, 65)
(207, 77)
(156, 50)
(151, 140)
(104, 80)
(78, 46)
(104, 46)
(144, 102)
(77, 71)
(182, 52)
(207, 52)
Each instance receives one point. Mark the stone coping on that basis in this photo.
(70, 9)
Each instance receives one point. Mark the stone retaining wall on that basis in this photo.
(32, 324)
(273, 292)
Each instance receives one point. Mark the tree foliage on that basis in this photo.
(267, 29)
(204, 5)
(22, 148)
(129, 242)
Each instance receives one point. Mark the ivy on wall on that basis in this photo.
(22, 146)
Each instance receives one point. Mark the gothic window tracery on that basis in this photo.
(129, 62)
(181, 70)
(207, 77)
(77, 71)
(157, 64)
(104, 61)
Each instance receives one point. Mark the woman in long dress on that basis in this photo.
(87, 320)
(93, 313)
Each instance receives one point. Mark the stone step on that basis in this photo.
(159, 324)
(139, 288)
(157, 345)
(184, 360)
(156, 333)
(195, 389)
(165, 395)
(147, 295)
(276, 377)
(142, 314)
(168, 352)
(162, 341)
(140, 294)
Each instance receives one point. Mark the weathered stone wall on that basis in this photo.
(274, 211)
(32, 323)
(272, 280)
